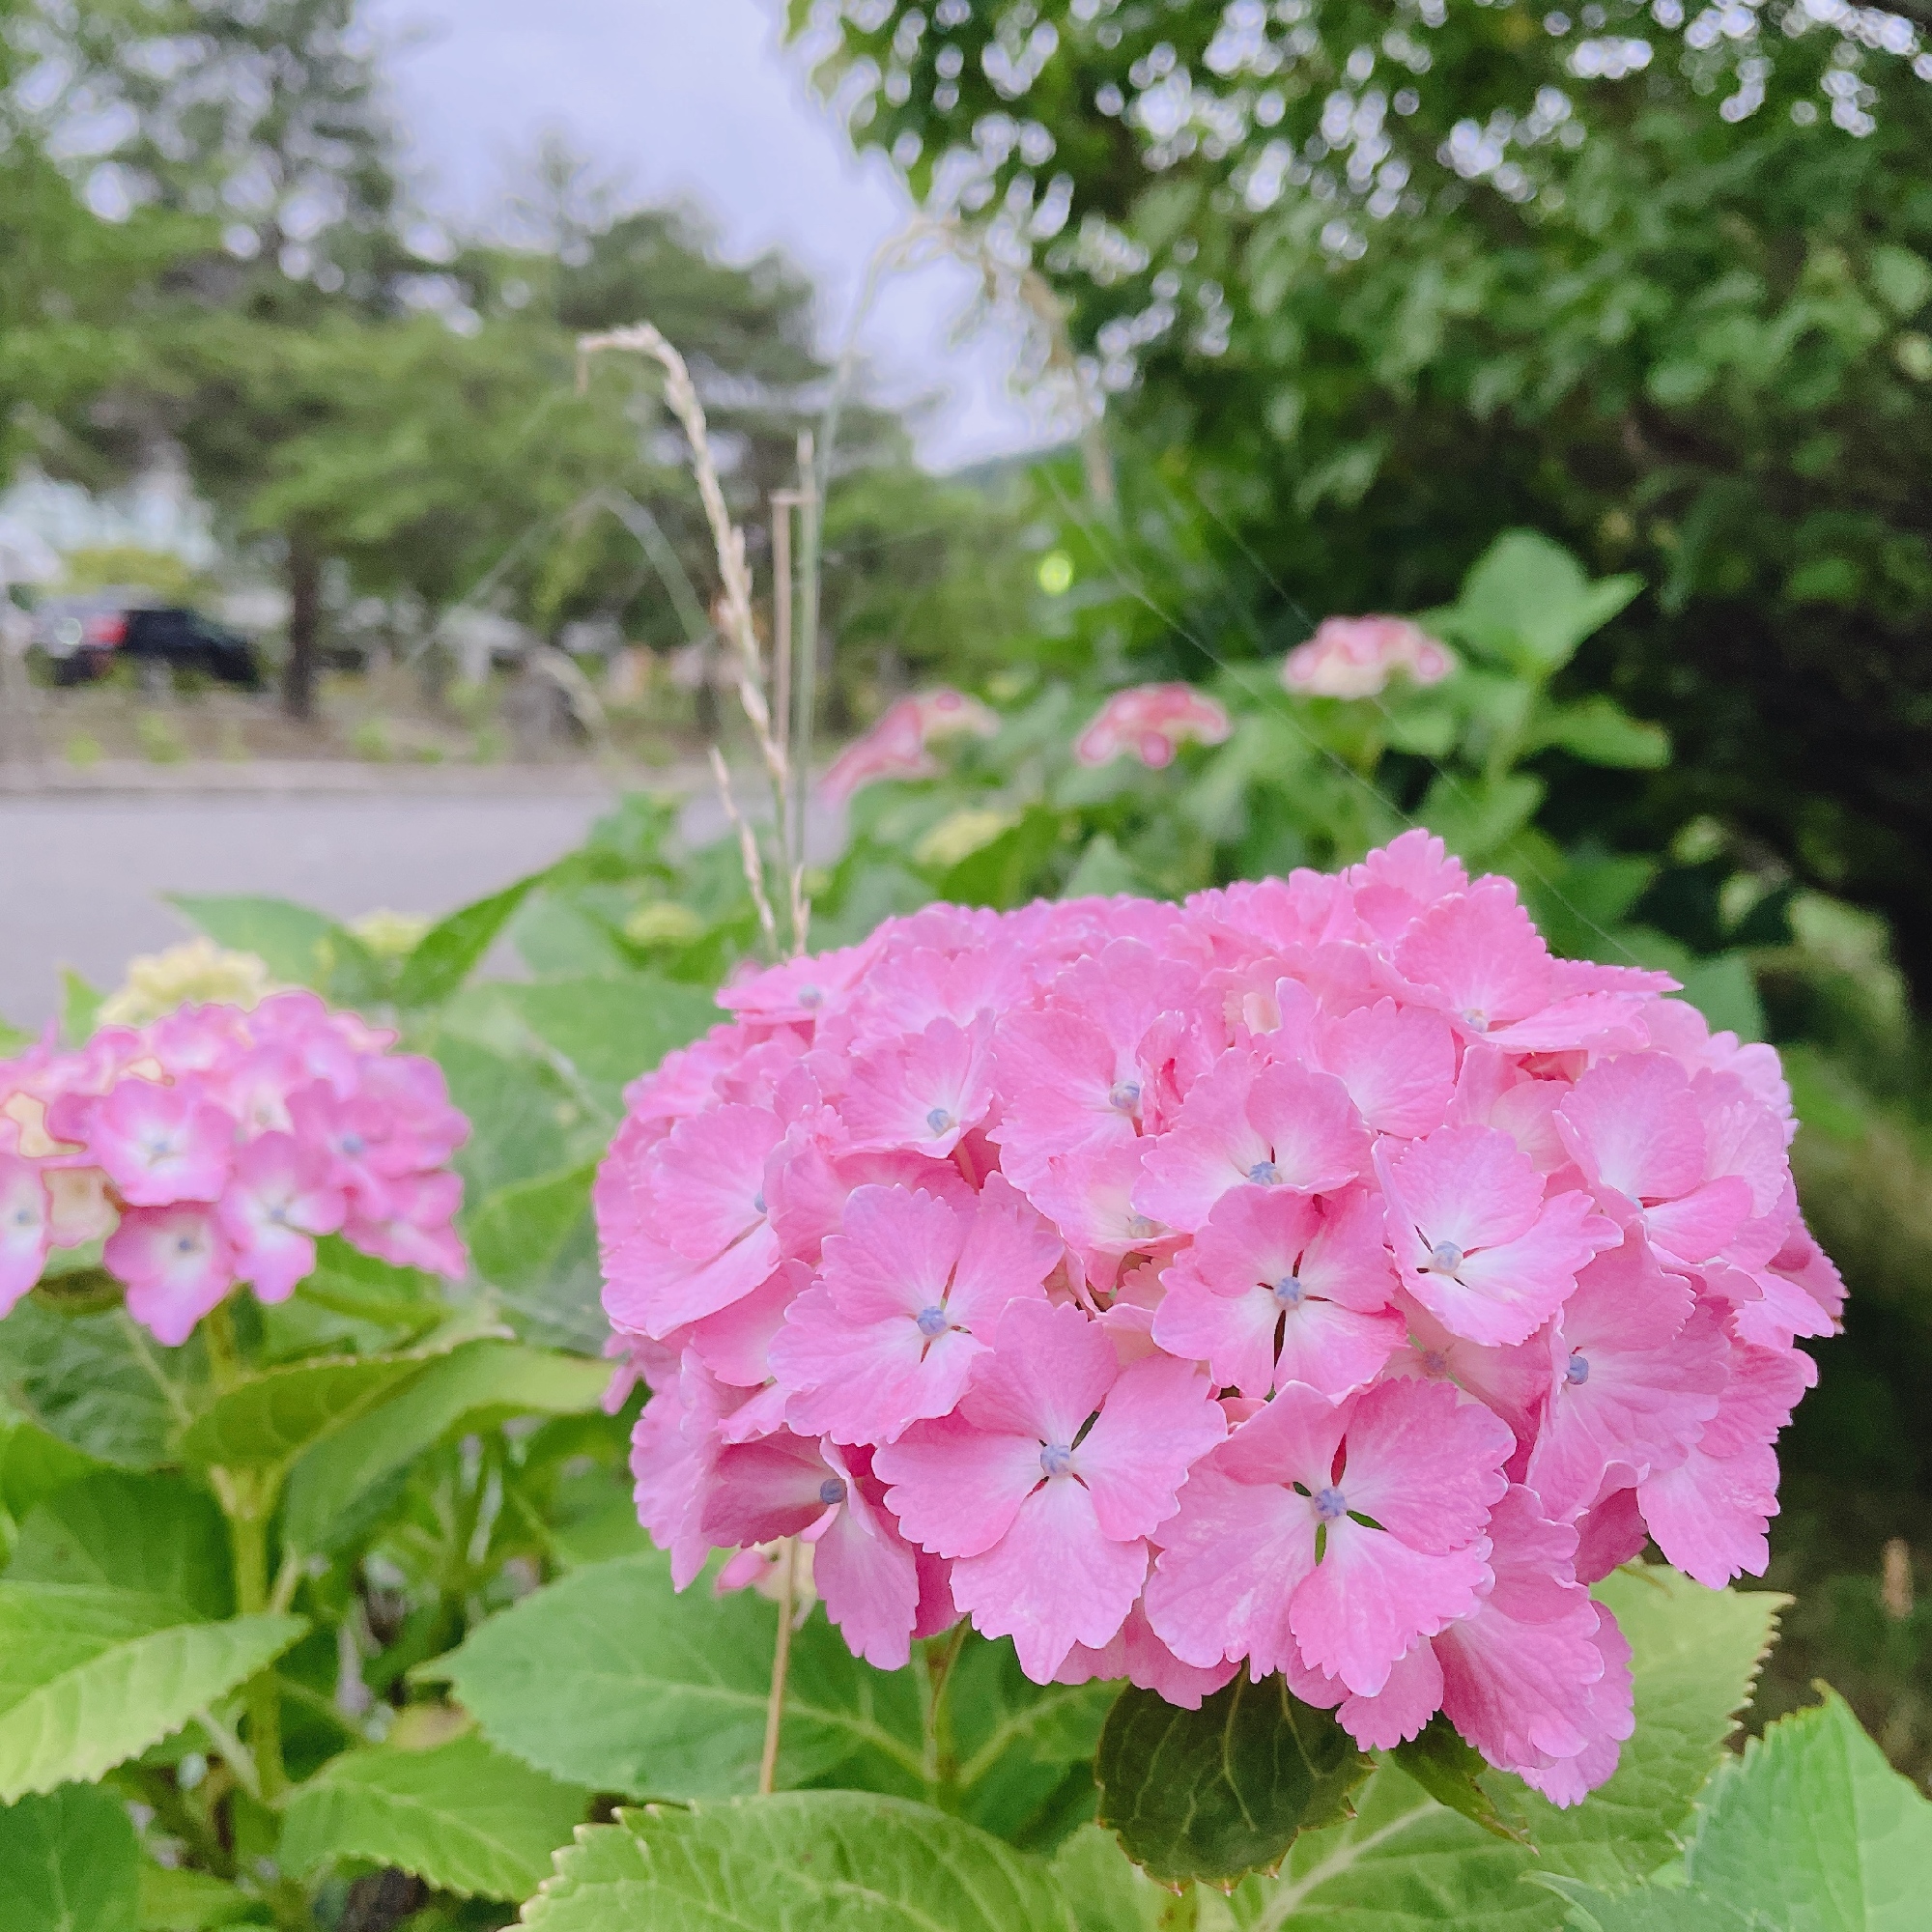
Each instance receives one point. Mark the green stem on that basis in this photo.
(224, 1354)
(942, 1754)
(248, 1531)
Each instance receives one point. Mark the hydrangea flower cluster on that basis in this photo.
(1356, 657)
(897, 746)
(213, 1145)
(1152, 722)
(1317, 1276)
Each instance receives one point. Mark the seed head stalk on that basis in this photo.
(737, 623)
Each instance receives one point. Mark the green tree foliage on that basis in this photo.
(1341, 344)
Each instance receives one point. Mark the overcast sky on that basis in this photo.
(695, 98)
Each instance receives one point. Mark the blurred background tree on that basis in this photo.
(1352, 288)
(234, 272)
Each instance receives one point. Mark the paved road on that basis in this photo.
(80, 877)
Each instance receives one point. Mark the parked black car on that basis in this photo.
(86, 645)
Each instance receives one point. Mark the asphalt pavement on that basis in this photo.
(82, 875)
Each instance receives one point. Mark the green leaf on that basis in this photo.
(99, 1383)
(462, 1818)
(1024, 1749)
(609, 1030)
(267, 1420)
(296, 943)
(1405, 1861)
(830, 1860)
(452, 949)
(175, 1899)
(1216, 1793)
(1902, 279)
(1449, 1770)
(516, 1234)
(1601, 732)
(34, 1465)
(477, 1385)
(1812, 1826)
(1006, 871)
(1528, 600)
(69, 1862)
(1473, 816)
(161, 1535)
(611, 1680)
(1724, 992)
(81, 1008)
(1107, 1890)
(90, 1677)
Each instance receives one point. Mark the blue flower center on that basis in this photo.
(933, 1322)
(1445, 1257)
(1125, 1096)
(184, 1244)
(1578, 1371)
(1264, 1173)
(1330, 1505)
(758, 1201)
(1141, 1229)
(1056, 1459)
(353, 1145)
(1288, 1291)
(939, 1119)
(810, 996)
(832, 1490)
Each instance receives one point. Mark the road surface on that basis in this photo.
(81, 877)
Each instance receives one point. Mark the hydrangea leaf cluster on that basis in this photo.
(1315, 1277)
(215, 1144)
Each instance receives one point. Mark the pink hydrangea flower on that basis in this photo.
(163, 1144)
(894, 748)
(24, 1216)
(1330, 1537)
(1247, 1123)
(1152, 721)
(215, 1145)
(1494, 1259)
(1046, 1484)
(1278, 1290)
(1478, 1243)
(176, 1264)
(280, 1198)
(908, 1290)
(1356, 657)
(875, 1587)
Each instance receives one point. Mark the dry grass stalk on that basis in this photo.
(748, 848)
(738, 626)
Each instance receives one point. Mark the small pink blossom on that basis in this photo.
(176, 1264)
(1276, 1290)
(1356, 657)
(279, 1199)
(1330, 1537)
(1152, 721)
(24, 1216)
(163, 1144)
(1247, 1123)
(908, 1292)
(1477, 1243)
(1047, 1482)
(894, 748)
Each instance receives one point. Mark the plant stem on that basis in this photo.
(768, 1764)
(942, 1756)
(248, 1531)
(224, 1354)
